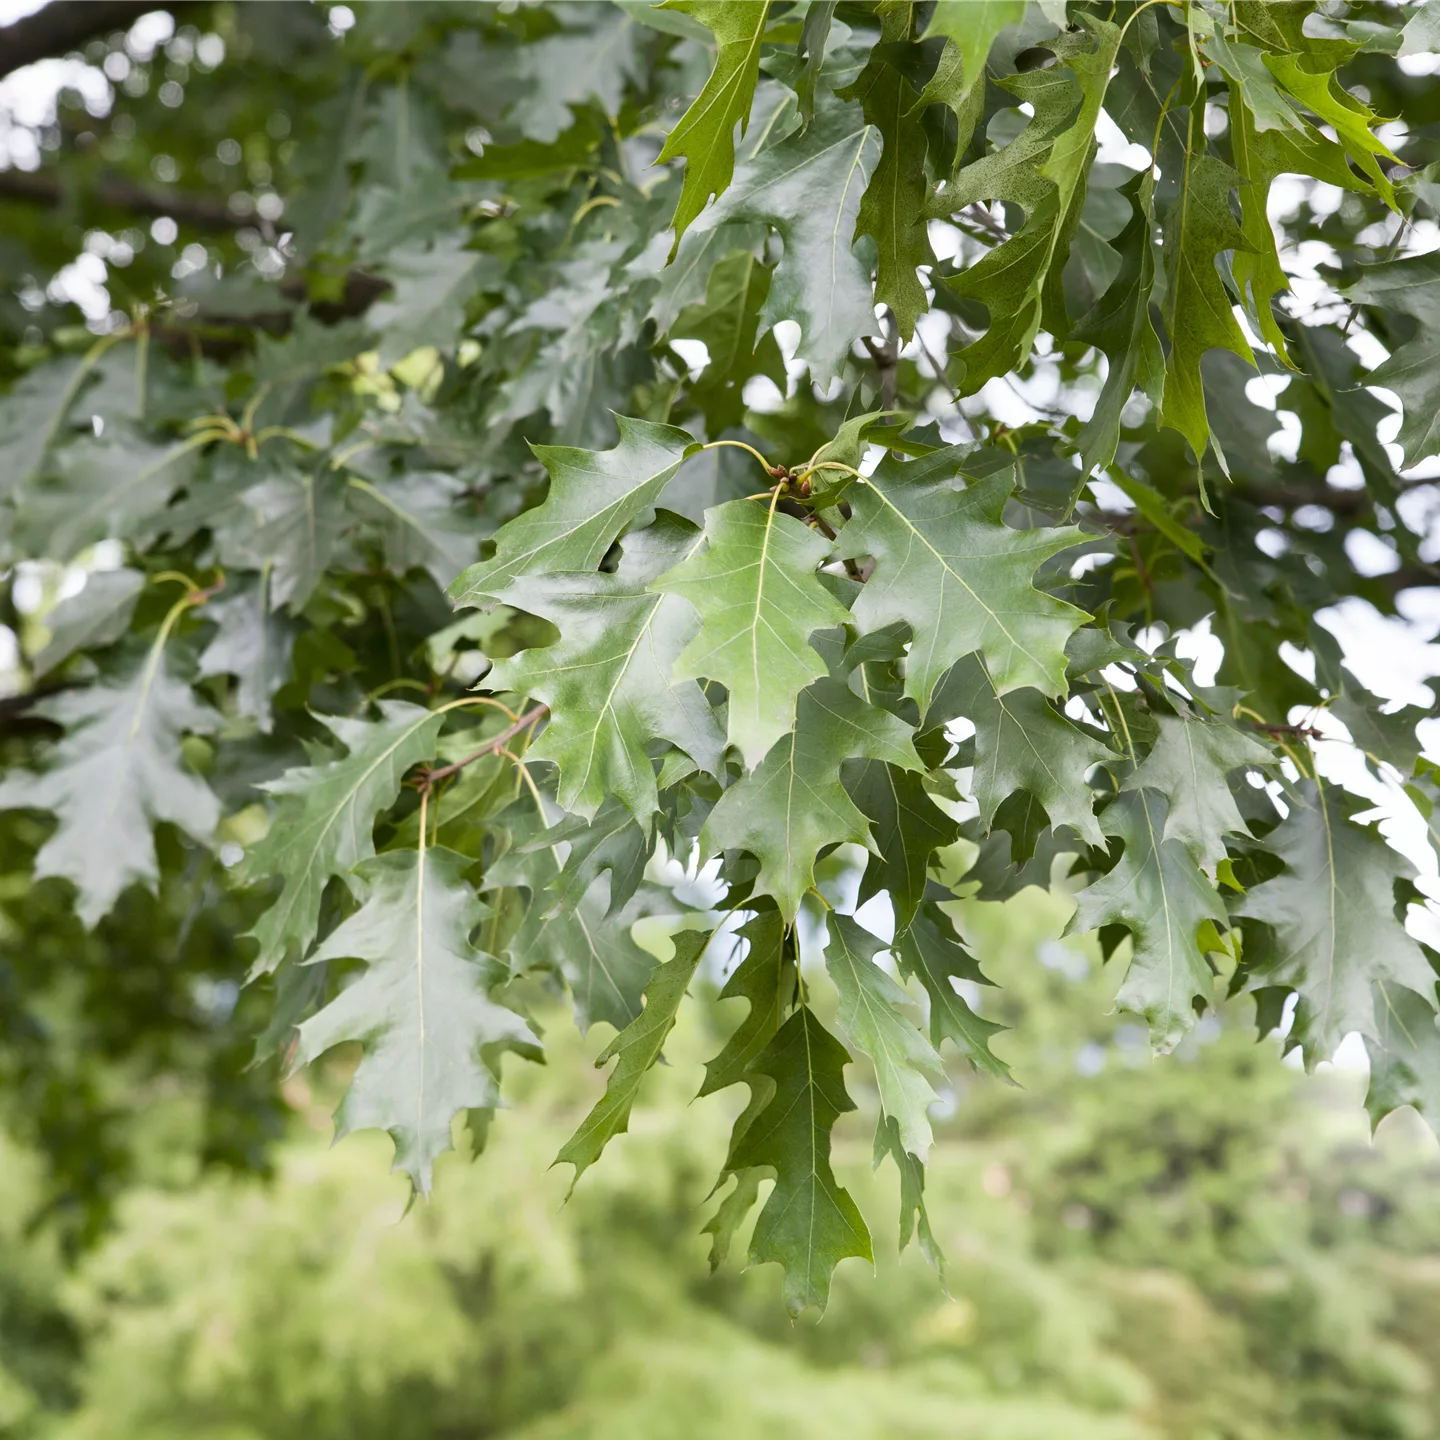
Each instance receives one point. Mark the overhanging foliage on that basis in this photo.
(753, 557)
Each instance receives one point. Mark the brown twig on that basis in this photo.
(428, 779)
(1307, 732)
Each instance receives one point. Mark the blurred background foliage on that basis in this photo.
(1218, 1253)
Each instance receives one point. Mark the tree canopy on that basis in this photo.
(495, 493)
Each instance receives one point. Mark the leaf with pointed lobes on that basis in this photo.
(637, 1047)
(608, 679)
(765, 980)
(99, 615)
(1158, 893)
(759, 601)
(914, 1218)
(1332, 915)
(727, 322)
(1019, 281)
(116, 772)
(1119, 324)
(1022, 743)
(423, 1010)
(1404, 1055)
(578, 934)
(593, 496)
(103, 487)
(1412, 287)
(1384, 737)
(809, 1223)
(908, 826)
(950, 568)
(252, 643)
(874, 1015)
(1323, 94)
(1190, 764)
(809, 185)
(705, 134)
(794, 804)
(929, 951)
(1198, 313)
(969, 28)
(323, 826)
(814, 32)
(892, 211)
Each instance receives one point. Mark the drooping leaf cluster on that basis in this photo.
(655, 461)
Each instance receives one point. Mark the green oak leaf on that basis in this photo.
(423, 522)
(253, 644)
(685, 284)
(1019, 280)
(1386, 738)
(1119, 324)
(1411, 286)
(1023, 743)
(1337, 107)
(794, 802)
(1404, 1054)
(1332, 913)
(584, 940)
(99, 615)
(969, 28)
(423, 1010)
(914, 1218)
(563, 69)
(727, 322)
(1198, 314)
(1190, 764)
(892, 208)
(908, 826)
(593, 497)
(929, 951)
(323, 823)
(116, 772)
(947, 565)
(1158, 892)
(611, 844)
(765, 979)
(809, 186)
(637, 1047)
(705, 134)
(112, 486)
(814, 32)
(430, 288)
(32, 419)
(809, 1223)
(1421, 34)
(1257, 271)
(874, 1016)
(290, 527)
(755, 590)
(609, 679)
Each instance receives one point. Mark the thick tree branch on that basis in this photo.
(65, 25)
(204, 212)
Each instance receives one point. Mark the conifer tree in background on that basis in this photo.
(518, 455)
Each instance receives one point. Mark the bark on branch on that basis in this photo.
(203, 212)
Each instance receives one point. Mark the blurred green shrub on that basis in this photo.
(1202, 1248)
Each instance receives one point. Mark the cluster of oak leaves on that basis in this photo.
(784, 680)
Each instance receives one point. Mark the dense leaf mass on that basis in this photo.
(704, 470)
